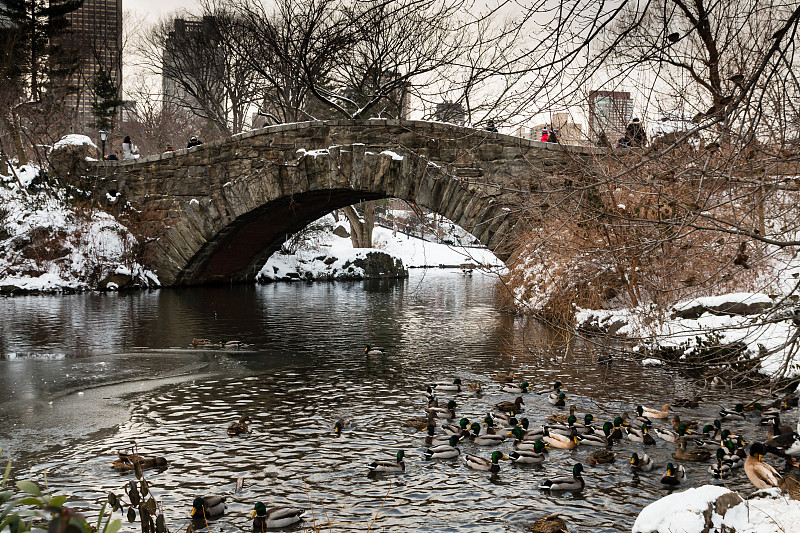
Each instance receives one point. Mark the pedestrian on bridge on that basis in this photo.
(194, 141)
(129, 150)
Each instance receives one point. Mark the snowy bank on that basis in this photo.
(716, 508)
(49, 242)
(765, 333)
(323, 254)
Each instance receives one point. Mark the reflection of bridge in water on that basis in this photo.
(221, 209)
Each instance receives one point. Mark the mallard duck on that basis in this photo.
(556, 389)
(585, 427)
(462, 429)
(201, 342)
(441, 412)
(484, 440)
(560, 441)
(515, 389)
(676, 423)
(551, 523)
(674, 475)
(690, 403)
(599, 457)
(596, 439)
(340, 425)
(722, 469)
(642, 463)
(264, 518)
(562, 429)
(558, 399)
(504, 377)
(652, 413)
(712, 431)
(374, 350)
(527, 435)
(432, 439)
(489, 422)
(760, 474)
(506, 419)
(776, 430)
(736, 414)
(535, 455)
(574, 483)
(514, 406)
(208, 507)
(487, 465)
(237, 428)
(669, 435)
(640, 435)
(130, 462)
(560, 418)
(448, 387)
(682, 454)
(640, 417)
(382, 465)
(616, 431)
(474, 387)
(707, 444)
(734, 455)
(232, 345)
(443, 451)
(417, 422)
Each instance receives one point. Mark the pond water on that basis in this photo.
(82, 376)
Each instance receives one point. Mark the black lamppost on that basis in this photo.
(103, 139)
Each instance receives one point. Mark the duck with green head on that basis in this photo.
(382, 465)
(535, 455)
(442, 412)
(514, 388)
(443, 451)
(671, 436)
(573, 483)
(558, 399)
(641, 435)
(484, 440)
(616, 431)
(206, 507)
(486, 465)
(675, 475)
(722, 469)
(642, 463)
(431, 438)
(598, 439)
(462, 429)
(275, 517)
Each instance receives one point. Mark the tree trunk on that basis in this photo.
(361, 232)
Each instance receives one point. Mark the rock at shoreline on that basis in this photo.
(730, 304)
(715, 508)
(361, 264)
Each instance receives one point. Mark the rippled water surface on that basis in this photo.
(84, 375)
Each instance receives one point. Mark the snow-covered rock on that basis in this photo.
(713, 508)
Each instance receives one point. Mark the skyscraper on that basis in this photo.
(609, 113)
(96, 35)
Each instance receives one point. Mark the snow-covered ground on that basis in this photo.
(315, 255)
(51, 243)
(694, 510)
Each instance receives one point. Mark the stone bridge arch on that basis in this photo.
(216, 212)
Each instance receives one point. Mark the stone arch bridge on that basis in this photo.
(216, 212)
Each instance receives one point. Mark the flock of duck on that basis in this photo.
(527, 443)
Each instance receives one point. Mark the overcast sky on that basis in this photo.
(155, 8)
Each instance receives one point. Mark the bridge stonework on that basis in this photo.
(216, 212)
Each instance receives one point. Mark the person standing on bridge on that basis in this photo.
(635, 134)
(194, 141)
(544, 135)
(129, 150)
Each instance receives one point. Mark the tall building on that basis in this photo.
(190, 48)
(452, 112)
(609, 113)
(96, 35)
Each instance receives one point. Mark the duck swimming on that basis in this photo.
(535, 455)
(486, 465)
(380, 465)
(275, 517)
(441, 412)
(683, 454)
(642, 462)
(484, 440)
(574, 483)
(514, 406)
(432, 439)
(599, 457)
(443, 451)
(736, 414)
(674, 475)
(208, 507)
(640, 435)
(559, 400)
(462, 429)
(374, 350)
(448, 387)
(652, 413)
(515, 389)
(237, 428)
(597, 439)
